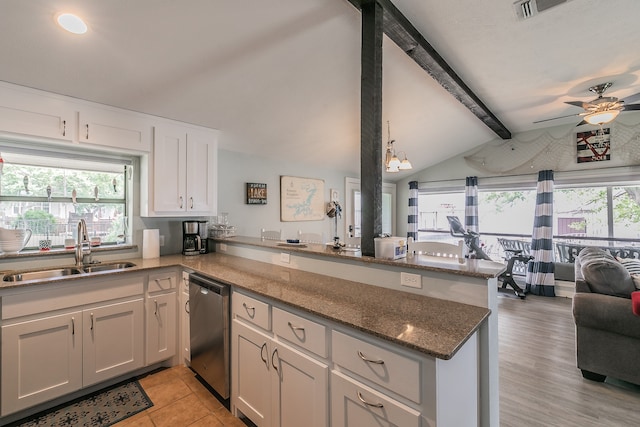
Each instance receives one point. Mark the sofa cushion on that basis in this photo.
(633, 267)
(605, 274)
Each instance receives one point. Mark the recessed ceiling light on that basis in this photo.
(72, 23)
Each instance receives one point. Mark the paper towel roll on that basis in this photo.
(151, 243)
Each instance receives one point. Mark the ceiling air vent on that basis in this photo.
(526, 9)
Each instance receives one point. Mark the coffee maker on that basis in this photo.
(191, 240)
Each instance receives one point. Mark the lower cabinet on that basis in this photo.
(274, 384)
(51, 356)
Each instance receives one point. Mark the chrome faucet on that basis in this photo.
(83, 237)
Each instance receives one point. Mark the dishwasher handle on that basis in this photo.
(212, 285)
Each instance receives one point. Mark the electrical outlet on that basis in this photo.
(411, 280)
(284, 257)
(223, 247)
(161, 240)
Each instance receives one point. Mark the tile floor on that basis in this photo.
(180, 400)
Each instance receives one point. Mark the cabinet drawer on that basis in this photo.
(353, 404)
(251, 310)
(300, 331)
(163, 281)
(396, 371)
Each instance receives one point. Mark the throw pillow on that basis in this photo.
(604, 274)
(631, 264)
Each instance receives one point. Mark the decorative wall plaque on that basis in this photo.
(256, 193)
(594, 145)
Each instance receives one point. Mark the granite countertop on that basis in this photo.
(432, 326)
(479, 268)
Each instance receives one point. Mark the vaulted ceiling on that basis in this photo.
(282, 77)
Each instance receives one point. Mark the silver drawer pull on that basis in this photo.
(375, 405)
(296, 328)
(366, 359)
(246, 307)
(262, 349)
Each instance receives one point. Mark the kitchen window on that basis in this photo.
(49, 191)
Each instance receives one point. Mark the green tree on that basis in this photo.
(40, 222)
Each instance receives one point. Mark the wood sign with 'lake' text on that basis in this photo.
(256, 193)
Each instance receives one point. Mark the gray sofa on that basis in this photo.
(607, 331)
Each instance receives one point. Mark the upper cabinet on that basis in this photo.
(33, 114)
(114, 128)
(182, 172)
(25, 112)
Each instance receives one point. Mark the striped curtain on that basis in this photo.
(471, 210)
(412, 218)
(471, 204)
(540, 278)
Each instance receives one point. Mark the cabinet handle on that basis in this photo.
(87, 127)
(262, 349)
(375, 405)
(92, 321)
(64, 128)
(272, 362)
(73, 326)
(246, 307)
(166, 278)
(296, 328)
(156, 303)
(180, 202)
(186, 306)
(191, 199)
(366, 359)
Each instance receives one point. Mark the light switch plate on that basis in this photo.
(411, 280)
(284, 257)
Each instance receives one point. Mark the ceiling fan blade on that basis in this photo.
(630, 107)
(554, 118)
(580, 104)
(631, 98)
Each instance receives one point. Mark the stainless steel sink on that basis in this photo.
(95, 268)
(21, 276)
(54, 273)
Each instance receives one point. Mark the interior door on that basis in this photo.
(352, 213)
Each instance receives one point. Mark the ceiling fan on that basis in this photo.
(603, 109)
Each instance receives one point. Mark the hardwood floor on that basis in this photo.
(540, 385)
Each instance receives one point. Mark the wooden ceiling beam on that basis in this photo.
(399, 29)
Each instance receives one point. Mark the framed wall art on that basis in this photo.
(594, 145)
(256, 193)
(301, 199)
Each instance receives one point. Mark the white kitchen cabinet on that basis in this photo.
(161, 316)
(182, 172)
(251, 374)
(57, 339)
(354, 404)
(41, 360)
(185, 330)
(273, 383)
(113, 340)
(113, 128)
(28, 112)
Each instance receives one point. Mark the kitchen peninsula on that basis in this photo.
(438, 336)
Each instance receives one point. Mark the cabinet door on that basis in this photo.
(41, 360)
(200, 172)
(169, 170)
(161, 327)
(251, 374)
(300, 389)
(355, 405)
(27, 113)
(112, 340)
(115, 129)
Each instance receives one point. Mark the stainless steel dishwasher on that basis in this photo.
(209, 324)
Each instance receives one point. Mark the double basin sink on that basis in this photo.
(54, 273)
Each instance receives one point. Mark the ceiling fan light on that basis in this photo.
(601, 117)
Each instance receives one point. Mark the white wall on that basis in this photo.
(236, 169)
